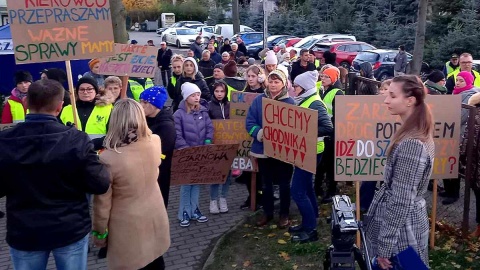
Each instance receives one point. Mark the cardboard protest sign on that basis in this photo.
(47, 31)
(130, 60)
(364, 129)
(240, 103)
(290, 133)
(6, 126)
(233, 131)
(206, 164)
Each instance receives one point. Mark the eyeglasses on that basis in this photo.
(466, 63)
(86, 90)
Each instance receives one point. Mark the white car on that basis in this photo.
(180, 37)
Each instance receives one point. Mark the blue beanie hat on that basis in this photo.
(156, 95)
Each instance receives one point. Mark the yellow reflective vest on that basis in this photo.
(449, 68)
(306, 104)
(136, 89)
(17, 111)
(148, 83)
(328, 100)
(97, 122)
(476, 83)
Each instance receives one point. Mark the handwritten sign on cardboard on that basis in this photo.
(206, 164)
(240, 103)
(290, 133)
(47, 31)
(233, 131)
(130, 60)
(364, 129)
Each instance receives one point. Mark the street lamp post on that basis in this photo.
(265, 24)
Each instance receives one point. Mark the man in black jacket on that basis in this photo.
(302, 65)
(160, 121)
(47, 171)
(163, 61)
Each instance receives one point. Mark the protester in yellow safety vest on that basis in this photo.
(137, 85)
(330, 81)
(302, 191)
(312, 59)
(466, 64)
(177, 68)
(15, 110)
(451, 65)
(92, 118)
(233, 82)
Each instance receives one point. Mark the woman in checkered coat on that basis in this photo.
(397, 217)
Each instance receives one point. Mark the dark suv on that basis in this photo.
(383, 62)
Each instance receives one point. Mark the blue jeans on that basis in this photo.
(189, 196)
(367, 192)
(303, 193)
(71, 257)
(225, 187)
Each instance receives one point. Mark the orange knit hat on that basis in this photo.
(333, 73)
(93, 62)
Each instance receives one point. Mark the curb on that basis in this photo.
(211, 257)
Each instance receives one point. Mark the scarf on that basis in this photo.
(131, 137)
(16, 93)
(302, 97)
(459, 90)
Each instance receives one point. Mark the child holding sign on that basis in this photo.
(194, 128)
(219, 108)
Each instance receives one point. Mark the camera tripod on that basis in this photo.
(345, 258)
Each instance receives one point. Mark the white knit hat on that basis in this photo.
(307, 80)
(271, 58)
(188, 89)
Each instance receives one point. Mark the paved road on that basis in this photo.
(190, 246)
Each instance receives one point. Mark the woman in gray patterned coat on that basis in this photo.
(397, 217)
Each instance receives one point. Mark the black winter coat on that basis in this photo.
(242, 48)
(47, 170)
(297, 69)
(163, 58)
(219, 110)
(164, 126)
(199, 81)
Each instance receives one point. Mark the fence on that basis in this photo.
(460, 214)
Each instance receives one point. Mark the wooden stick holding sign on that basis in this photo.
(123, 93)
(68, 66)
(434, 214)
(357, 210)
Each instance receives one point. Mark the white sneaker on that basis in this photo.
(214, 207)
(223, 205)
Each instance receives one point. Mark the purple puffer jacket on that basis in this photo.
(194, 128)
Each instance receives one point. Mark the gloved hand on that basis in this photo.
(260, 135)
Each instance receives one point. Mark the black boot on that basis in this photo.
(305, 237)
(295, 229)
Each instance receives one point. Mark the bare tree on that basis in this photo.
(417, 60)
(119, 21)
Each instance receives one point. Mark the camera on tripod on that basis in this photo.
(343, 252)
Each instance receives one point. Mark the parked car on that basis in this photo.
(193, 25)
(272, 41)
(310, 41)
(383, 62)
(476, 65)
(248, 37)
(184, 23)
(226, 30)
(346, 51)
(160, 30)
(289, 42)
(206, 32)
(179, 36)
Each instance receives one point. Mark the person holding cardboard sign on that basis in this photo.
(194, 127)
(397, 217)
(270, 168)
(302, 183)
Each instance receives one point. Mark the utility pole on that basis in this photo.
(265, 24)
(235, 17)
(419, 38)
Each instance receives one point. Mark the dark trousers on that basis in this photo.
(158, 264)
(304, 196)
(452, 188)
(326, 170)
(165, 189)
(477, 204)
(367, 192)
(270, 169)
(166, 76)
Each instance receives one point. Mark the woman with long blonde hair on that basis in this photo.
(397, 218)
(131, 217)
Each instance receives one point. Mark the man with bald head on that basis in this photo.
(236, 52)
(214, 55)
